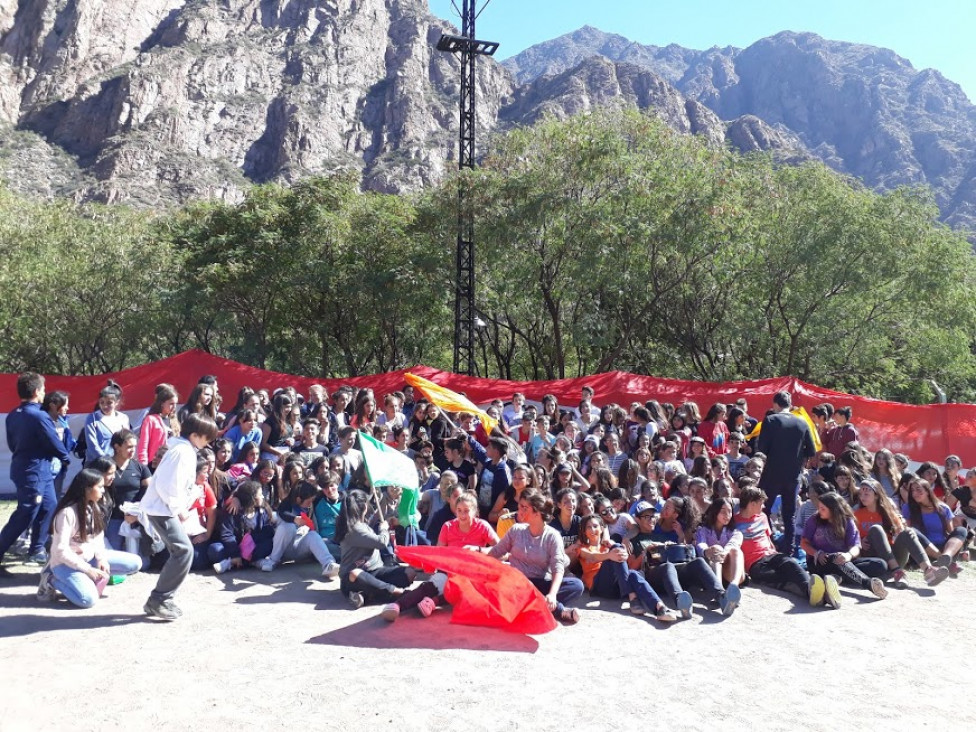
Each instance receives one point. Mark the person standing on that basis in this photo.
(787, 442)
(33, 442)
(166, 506)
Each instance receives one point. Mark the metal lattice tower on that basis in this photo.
(469, 49)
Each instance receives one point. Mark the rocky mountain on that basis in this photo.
(863, 110)
(155, 102)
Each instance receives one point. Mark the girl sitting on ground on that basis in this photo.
(884, 535)
(933, 524)
(606, 574)
(536, 550)
(718, 541)
(80, 565)
(363, 577)
(228, 548)
(833, 545)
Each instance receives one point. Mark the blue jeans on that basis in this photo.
(79, 588)
(36, 502)
(570, 590)
(615, 580)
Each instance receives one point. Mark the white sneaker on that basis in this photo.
(266, 565)
(330, 570)
(45, 591)
(427, 606)
(390, 612)
(222, 566)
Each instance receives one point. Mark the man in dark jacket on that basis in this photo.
(33, 442)
(787, 443)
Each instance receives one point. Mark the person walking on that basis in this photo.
(787, 442)
(166, 505)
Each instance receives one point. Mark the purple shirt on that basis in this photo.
(820, 534)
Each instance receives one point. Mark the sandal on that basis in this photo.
(570, 616)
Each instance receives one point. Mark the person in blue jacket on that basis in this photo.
(33, 442)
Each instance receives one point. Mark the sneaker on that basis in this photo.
(160, 610)
(817, 589)
(171, 607)
(222, 566)
(898, 578)
(266, 565)
(934, 575)
(390, 611)
(730, 599)
(683, 601)
(665, 615)
(831, 592)
(38, 557)
(427, 606)
(45, 590)
(878, 588)
(637, 607)
(954, 569)
(944, 560)
(963, 556)
(21, 547)
(330, 571)
(357, 600)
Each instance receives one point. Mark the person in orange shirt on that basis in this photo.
(884, 534)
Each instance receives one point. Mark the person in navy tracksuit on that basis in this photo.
(33, 442)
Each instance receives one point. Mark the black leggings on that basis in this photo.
(377, 586)
(860, 571)
(782, 572)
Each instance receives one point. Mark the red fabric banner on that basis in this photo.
(484, 591)
(926, 432)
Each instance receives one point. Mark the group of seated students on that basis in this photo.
(648, 504)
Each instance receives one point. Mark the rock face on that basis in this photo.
(159, 101)
(155, 102)
(863, 110)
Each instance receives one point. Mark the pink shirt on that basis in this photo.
(481, 534)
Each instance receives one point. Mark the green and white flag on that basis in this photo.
(387, 466)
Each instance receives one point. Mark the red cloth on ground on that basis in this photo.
(483, 590)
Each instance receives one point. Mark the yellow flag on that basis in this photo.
(802, 414)
(448, 400)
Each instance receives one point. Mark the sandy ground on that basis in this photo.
(284, 650)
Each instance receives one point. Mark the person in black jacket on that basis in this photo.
(787, 442)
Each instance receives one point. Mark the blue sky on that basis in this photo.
(937, 33)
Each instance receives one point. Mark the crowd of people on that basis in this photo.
(650, 503)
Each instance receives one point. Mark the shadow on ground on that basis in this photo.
(435, 633)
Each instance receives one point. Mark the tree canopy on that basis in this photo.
(606, 241)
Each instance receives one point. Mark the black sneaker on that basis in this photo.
(159, 610)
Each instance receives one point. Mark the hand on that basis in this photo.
(551, 602)
(473, 548)
(233, 506)
(96, 574)
(199, 539)
(841, 558)
(618, 554)
(183, 517)
(103, 566)
(820, 557)
(384, 526)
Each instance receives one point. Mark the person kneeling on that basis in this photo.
(80, 565)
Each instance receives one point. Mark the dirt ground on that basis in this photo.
(283, 650)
